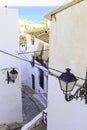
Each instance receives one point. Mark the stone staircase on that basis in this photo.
(41, 98)
(30, 93)
(14, 126)
(31, 107)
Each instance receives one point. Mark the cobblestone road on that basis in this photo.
(31, 107)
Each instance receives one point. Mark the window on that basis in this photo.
(33, 81)
(41, 78)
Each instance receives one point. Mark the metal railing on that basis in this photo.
(44, 117)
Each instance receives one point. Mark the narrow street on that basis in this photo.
(31, 107)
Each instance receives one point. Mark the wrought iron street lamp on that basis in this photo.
(12, 75)
(67, 83)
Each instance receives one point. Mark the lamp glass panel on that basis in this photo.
(63, 85)
(67, 86)
(13, 76)
(70, 86)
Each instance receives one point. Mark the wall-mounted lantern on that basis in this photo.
(67, 83)
(12, 75)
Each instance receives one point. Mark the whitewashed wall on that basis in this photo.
(27, 70)
(35, 72)
(68, 48)
(10, 94)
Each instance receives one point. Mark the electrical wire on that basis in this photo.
(32, 51)
(13, 55)
(41, 65)
(24, 55)
(20, 58)
(48, 68)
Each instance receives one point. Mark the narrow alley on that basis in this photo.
(31, 107)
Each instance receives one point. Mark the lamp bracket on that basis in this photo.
(80, 93)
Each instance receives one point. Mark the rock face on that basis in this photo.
(26, 27)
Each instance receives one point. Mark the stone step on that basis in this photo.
(41, 98)
(15, 126)
(40, 126)
(30, 93)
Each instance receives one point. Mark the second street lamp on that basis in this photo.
(67, 83)
(12, 75)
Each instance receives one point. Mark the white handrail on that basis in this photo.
(30, 125)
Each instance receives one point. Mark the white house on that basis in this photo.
(10, 90)
(34, 72)
(68, 49)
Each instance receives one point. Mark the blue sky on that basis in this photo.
(34, 13)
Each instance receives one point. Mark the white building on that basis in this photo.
(10, 93)
(35, 75)
(68, 48)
